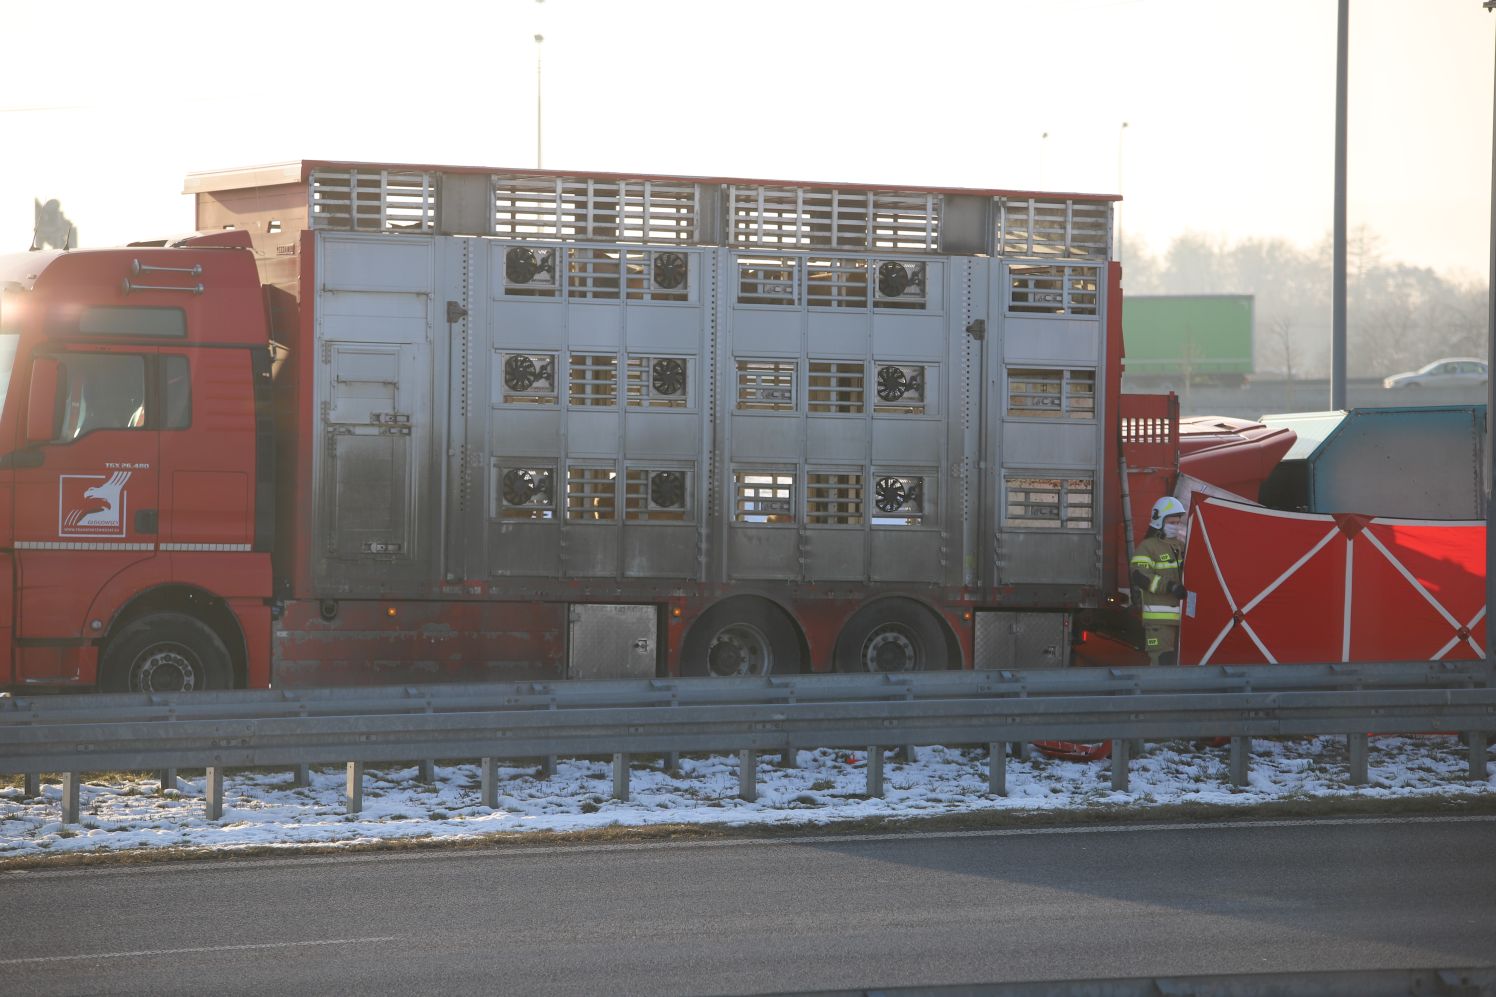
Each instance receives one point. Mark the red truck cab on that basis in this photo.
(136, 468)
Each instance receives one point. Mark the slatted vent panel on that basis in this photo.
(1056, 503)
(906, 221)
(1079, 230)
(593, 381)
(1041, 393)
(766, 385)
(591, 494)
(836, 386)
(641, 211)
(1057, 289)
(795, 217)
(763, 495)
(594, 273)
(768, 280)
(373, 201)
(836, 283)
(833, 498)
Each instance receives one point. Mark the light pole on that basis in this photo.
(1491, 388)
(539, 41)
(1337, 264)
(1120, 133)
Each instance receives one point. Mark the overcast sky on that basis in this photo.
(1229, 105)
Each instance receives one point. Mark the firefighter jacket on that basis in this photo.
(1157, 570)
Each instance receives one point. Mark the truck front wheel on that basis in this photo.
(165, 652)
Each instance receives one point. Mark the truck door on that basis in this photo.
(86, 502)
(10, 339)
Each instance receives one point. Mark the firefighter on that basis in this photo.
(1157, 572)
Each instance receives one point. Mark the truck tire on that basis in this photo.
(741, 637)
(165, 652)
(893, 635)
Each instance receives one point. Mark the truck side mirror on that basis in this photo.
(41, 405)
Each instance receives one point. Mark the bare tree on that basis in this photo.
(1401, 315)
(1280, 329)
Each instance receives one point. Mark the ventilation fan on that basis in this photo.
(667, 490)
(526, 487)
(894, 279)
(522, 372)
(523, 265)
(895, 382)
(668, 377)
(893, 494)
(669, 271)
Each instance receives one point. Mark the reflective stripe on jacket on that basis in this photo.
(1159, 560)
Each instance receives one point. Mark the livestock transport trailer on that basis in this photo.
(380, 423)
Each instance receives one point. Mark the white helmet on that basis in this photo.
(1163, 509)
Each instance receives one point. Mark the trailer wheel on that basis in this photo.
(741, 637)
(891, 636)
(166, 652)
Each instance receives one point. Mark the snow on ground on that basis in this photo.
(261, 808)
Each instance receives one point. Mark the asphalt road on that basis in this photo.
(746, 917)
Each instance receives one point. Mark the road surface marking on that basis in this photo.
(138, 953)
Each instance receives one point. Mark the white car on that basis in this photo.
(1451, 372)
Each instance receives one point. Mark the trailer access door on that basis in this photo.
(374, 476)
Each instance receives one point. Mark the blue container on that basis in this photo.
(1409, 463)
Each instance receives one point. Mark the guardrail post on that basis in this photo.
(620, 776)
(748, 774)
(671, 761)
(167, 778)
(875, 771)
(1241, 754)
(1121, 748)
(213, 792)
(489, 781)
(790, 757)
(548, 767)
(33, 785)
(905, 754)
(1021, 750)
(997, 768)
(301, 775)
(1357, 749)
(1476, 739)
(70, 782)
(355, 787)
(427, 774)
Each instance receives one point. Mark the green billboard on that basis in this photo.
(1205, 336)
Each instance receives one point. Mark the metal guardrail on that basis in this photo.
(89, 707)
(73, 734)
